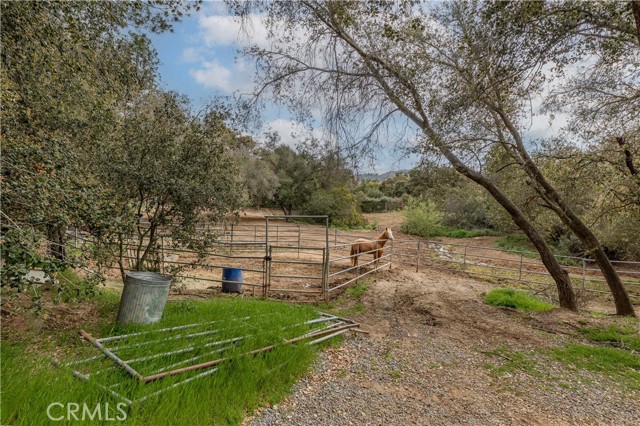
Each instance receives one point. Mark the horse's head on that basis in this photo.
(388, 233)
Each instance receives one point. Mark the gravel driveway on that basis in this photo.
(432, 358)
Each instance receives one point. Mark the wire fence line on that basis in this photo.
(285, 259)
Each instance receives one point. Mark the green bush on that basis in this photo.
(373, 205)
(422, 218)
(467, 233)
(395, 204)
(379, 205)
(466, 208)
(516, 242)
(339, 204)
(516, 299)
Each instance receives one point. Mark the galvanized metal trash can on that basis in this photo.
(231, 280)
(143, 297)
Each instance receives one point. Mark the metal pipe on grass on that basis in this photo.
(206, 373)
(111, 355)
(85, 378)
(208, 364)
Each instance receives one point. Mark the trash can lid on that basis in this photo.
(147, 276)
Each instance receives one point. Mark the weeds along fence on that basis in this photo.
(292, 260)
(505, 266)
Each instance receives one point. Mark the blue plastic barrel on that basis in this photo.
(231, 280)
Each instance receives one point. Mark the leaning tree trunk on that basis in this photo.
(594, 248)
(571, 220)
(566, 295)
(56, 236)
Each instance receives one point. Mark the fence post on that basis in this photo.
(162, 255)
(269, 270)
(327, 257)
(298, 241)
(520, 268)
(391, 256)
(464, 259)
(418, 260)
(76, 235)
(266, 256)
(255, 233)
(325, 284)
(584, 273)
(335, 237)
(231, 239)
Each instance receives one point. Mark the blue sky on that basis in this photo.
(199, 59)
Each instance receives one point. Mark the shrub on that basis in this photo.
(516, 299)
(379, 205)
(395, 204)
(339, 204)
(372, 205)
(467, 233)
(422, 218)
(465, 208)
(516, 242)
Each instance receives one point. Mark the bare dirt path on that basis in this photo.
(432, 358)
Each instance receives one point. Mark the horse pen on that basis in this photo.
(279, 259)
(285, 259)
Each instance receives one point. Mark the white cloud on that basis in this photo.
(216, 7)
(219, 30)
(191, 55)
(292, 132)
(212, 75)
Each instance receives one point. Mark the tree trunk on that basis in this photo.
(635, 7)
(594, 248)
(121, 253)
(151, 246)
(56, 236)
(566, 295)
(570, 219)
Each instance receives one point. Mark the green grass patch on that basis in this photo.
(512, 361)
(517, 242)
(358, 290)
(516, 299)
(31, 383)
(620, 365)
(466, 233)
(625, 337)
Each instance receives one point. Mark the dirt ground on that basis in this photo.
(429, 359)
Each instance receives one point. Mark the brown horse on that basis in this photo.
(362, 245)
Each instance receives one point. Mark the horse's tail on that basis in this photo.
(354, 252)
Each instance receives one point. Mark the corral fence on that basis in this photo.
(279, 258)
(512, 265)
(285, 259)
